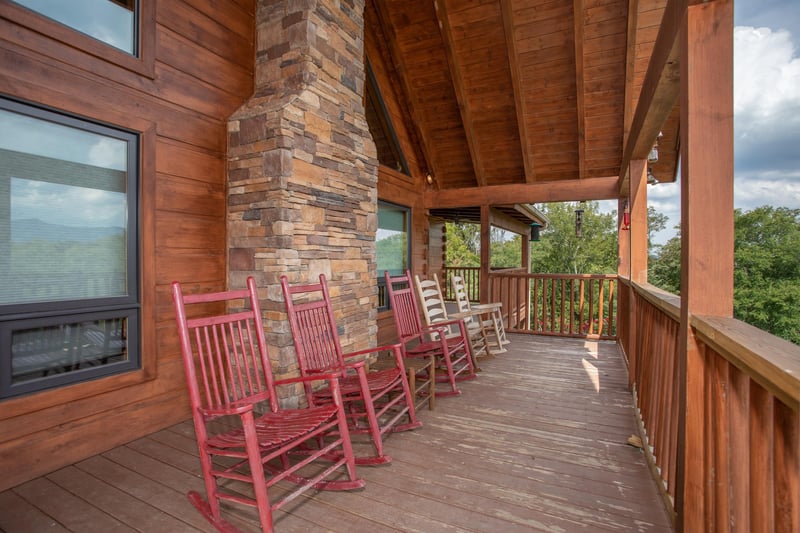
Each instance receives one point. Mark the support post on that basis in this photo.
(706, 103)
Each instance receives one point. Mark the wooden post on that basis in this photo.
(486, 257)
(638, 211)
(706, 104)
(634, 266)
(623, 243)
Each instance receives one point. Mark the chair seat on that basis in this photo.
(428, 347)
(350, 385)
(277, 428)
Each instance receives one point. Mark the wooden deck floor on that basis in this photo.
(536, 443)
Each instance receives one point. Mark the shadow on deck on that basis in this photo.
(537, 443)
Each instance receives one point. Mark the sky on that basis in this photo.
(766, 97)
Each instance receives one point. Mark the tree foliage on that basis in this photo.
(463, 244)
(766, 269)
(561, 251)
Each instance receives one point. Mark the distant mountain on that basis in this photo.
(34, 229)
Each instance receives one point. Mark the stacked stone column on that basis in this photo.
(302, 170)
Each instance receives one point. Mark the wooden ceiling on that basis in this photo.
(505, 95)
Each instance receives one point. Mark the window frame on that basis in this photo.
(143, 62)
(21, 316)
(383, 301)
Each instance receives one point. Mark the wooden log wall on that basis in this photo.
(195, 69)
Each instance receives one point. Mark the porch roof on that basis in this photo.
(507, 95)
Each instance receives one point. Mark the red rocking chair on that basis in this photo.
(236, 414)
(452, 351)
(378, 400)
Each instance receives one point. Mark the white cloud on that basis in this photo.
(766, 126)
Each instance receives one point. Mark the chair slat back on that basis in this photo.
(433, 306)
(225, 355)
(313, 326)
(460, 292)
(404, 305)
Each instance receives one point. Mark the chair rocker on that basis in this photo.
(435, 312)
(377, 401)
(242, 434)
(453, 354)
(490, 315)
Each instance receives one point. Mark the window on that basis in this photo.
(69, 301)
(380, 127)
(113, 22)
(393, 245)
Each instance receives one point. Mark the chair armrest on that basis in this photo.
(316, 377)
(395, 348)
(454, 322)
(468, 314)
(491, 306)
(235, 408)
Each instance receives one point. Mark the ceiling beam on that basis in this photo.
(578, 21)
(458, 87)
(548, 191)
(659, 93)
(385, 21)
(516, 84)
(630, 67)
(397, 85)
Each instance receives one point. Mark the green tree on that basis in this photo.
(561, 251)
(463, 244)
(506, 249)
(655, 222)
(766, 269)
(664, 266)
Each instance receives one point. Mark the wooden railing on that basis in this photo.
(472, 282)
(739, 401)
(566, 305)
(649, 322)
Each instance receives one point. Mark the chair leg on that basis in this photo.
(257, 473)
(409, 392)
(374, 426)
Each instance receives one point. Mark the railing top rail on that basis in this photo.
(666, 302)
(773, 362)
(554, 276)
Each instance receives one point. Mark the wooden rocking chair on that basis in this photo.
(435, 312)
(453, 354)
(242, 433)
(376, 401)
(490, 315)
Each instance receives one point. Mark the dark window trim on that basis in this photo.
(143, 62)
(7, 328)
(382, 295)
(373, 86)
(30, 315)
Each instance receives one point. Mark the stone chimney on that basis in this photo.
(302, 169)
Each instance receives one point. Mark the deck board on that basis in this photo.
(538, 442)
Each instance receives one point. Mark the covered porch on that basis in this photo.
(537, 443)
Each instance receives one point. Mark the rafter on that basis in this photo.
(460, 91)
(630, 67)
(578, 20)
(397, 85)
(660, 90)
(516, 83)
(384, 18)
(548, 191)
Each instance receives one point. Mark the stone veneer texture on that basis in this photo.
(302, 170)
